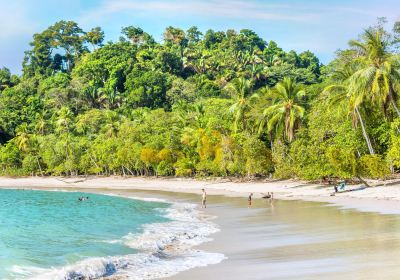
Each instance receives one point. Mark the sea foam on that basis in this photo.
(164, 249)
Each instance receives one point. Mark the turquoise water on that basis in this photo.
(53, 229)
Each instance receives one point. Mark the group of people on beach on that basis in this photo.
(268, 196)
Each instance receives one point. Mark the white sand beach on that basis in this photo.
(382, 197)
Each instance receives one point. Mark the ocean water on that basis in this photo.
(52, 235)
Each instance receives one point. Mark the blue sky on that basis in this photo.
(316, 25)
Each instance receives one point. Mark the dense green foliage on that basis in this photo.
(214, 104)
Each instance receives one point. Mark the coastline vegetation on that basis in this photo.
(213, 104)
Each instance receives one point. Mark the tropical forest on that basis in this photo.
(200, 104)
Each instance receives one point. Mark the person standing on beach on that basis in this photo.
(249, 200)
(204, 199)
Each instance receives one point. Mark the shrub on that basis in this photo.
(258, 157)
(184, 167)
(165, 168)
(393, 155)
(373, 166)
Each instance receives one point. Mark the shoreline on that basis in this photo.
(384, 199)
(257, 246)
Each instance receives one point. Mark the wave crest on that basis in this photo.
(165, 249)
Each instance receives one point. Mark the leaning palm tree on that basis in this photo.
(241, 90)
(379, 78)
(286, 111)
(342, 91)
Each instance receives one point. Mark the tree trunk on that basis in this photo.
(130, 171)
(395, 106)
(364, 131)
(272, 143)
(363, 181)
(40, 168)
(244, 121)
(394, 102)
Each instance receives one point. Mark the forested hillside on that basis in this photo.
(222, 103)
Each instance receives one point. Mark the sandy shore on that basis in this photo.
(289, 239)
(384, 197)
(299, 240)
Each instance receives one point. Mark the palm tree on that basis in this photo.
(256, 114)
(379, 78)
(286, 110)
(64, 120)
(22, 138)
(112, 96)
(240, 89)
(27, 142)
(197, 59)
(112, 126)
(257, 72)
(177, 37)
(342, 91)
(41, 123)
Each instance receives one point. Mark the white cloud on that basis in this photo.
(227, 9)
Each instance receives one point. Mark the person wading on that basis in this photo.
(204, 199)
(249, 200)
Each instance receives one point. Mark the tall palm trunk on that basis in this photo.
(395, 107)
(364, 131)
(394, 102)
(272, 141)
(40, 167)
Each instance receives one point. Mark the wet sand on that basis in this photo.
(300, 240)
(292, 240)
